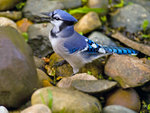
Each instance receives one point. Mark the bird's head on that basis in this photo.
(59, 17)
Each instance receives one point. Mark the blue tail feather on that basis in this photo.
(120, 50)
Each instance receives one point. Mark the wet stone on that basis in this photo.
(93, 86)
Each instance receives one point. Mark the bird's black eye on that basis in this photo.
(56, 18)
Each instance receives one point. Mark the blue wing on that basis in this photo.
(75, 43)
(89, 48)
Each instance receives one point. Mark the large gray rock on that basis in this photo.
(131, 17)
(18, 76)
(8, 4)
(144, 3)
(38, 39)
(33, 8)
(67, 100)
(100, 38)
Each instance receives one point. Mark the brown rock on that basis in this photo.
(66, 82)
(124, 97)
(129, 71)
(88, 23)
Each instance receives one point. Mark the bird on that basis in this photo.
(76, 49)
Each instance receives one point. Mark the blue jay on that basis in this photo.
(76, 49)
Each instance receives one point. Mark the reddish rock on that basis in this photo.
(124, 97)
(23, 24)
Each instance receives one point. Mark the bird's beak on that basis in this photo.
(46, 18)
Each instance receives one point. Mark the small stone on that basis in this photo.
(39, 39)
(23, 24)
(3, 109)
(7, 22)
(67, 100)
(43, 77)
(100, 38)
(14, 15)
(117, 109)
(88, 22)
(37, 108)
(67, 81)
(98, 4)
(93, 86)
(124, 97)
(129, 71)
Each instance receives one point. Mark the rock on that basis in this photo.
(131, 17)
(117, 109)
(67, 100)
(144, 3)
(34, 8)
(18, 76)
(129, 71)
(137, 46)
(14, 15)
(3, 109)
(38, 39)
(23, 24)
(8, 4)
(67, 81)
(7, 22)
(43, 78)
(39, 62)
(98, 4)
(70, 3)
(37, 108)
(88, 22)
(95, 68)
(124, 97)
(62, 70)
(93, 86)
(100, 38)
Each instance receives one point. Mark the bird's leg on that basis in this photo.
(60, 63)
